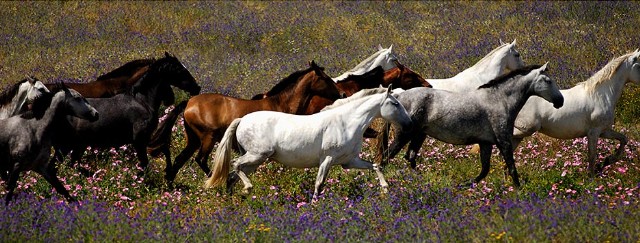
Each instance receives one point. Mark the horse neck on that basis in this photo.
(151, 96)
(45, 124)
(13, 108)
(515, 93)
(359, 114)
(488, 68)
(609, 92)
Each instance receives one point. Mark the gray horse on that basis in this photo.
(485, 116)
(25, 140)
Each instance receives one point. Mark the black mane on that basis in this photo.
(8, 94)
(378, 71)
(288, 81)
(127, 68)
(507, 76)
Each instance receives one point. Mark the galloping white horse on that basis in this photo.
(331, 137)
(588, 109)
(501, 60)
(383, 57)
(17, 99)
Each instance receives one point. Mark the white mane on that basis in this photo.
(358, 95)
(605, 74)
(367, 64)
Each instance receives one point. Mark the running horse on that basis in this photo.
(207, 116)
(466, 118)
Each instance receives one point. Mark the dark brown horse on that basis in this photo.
(115, 82)
(207, 116)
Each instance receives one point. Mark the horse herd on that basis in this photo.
(308, 119)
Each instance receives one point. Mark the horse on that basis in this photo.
(383, 57)
(207, 116)
(18, 98)
(115, 82)
(500, 60)
(130, 117)
(485, 116)
(25, 143)
(331, 137)
(588, 110)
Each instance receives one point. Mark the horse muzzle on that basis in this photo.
(558, 103)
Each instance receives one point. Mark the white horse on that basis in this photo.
(331, 137)
(16, 100)
(501, 60)
(383, 57)
(588, 109)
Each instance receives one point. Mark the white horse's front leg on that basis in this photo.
(323, 171)
(358, 163)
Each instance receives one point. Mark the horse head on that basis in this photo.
(77, 105)
(177, 74)
(386, 58)
(634, 71)
(546, 87)
(511, 57)
(405, 78)
(320, 83)
(392, 111)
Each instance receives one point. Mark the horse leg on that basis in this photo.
(193, 142)
(414, 148)
(485, 161)
(592, 142)
(323, 171)
(143, 159)
(506, 150)
(11, 185)
(611, 134)
(247, 164)
(401, 139)
(358, 163)
(50, 174)
(205, 151)
(76, 155)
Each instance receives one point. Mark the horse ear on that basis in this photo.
(390, 47)
(501, 42)
(166, 54)
(389, 89)
(544, 67)
(514, 42)
(380, 47)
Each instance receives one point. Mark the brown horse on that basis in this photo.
(115, 82)
(398, 77)
(207, 116)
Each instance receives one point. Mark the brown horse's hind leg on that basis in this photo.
(205, 151)
(193, 142)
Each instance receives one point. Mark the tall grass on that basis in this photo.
(244, 48)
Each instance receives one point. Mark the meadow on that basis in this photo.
(244, 48)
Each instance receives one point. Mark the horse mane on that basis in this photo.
(606, 73)
(287, 82)
(507, 76)
(8, 94)
(363, 77)
(40, 105)
(490, 55)
(127, 68)
(367, 60)
(358, 95)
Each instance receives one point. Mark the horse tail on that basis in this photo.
(161, 137)
(382, 144)
(222, 158)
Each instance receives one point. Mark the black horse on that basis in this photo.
(127, 118)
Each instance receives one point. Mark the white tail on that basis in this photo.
(222, 158)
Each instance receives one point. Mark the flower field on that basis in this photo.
(244, 48)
